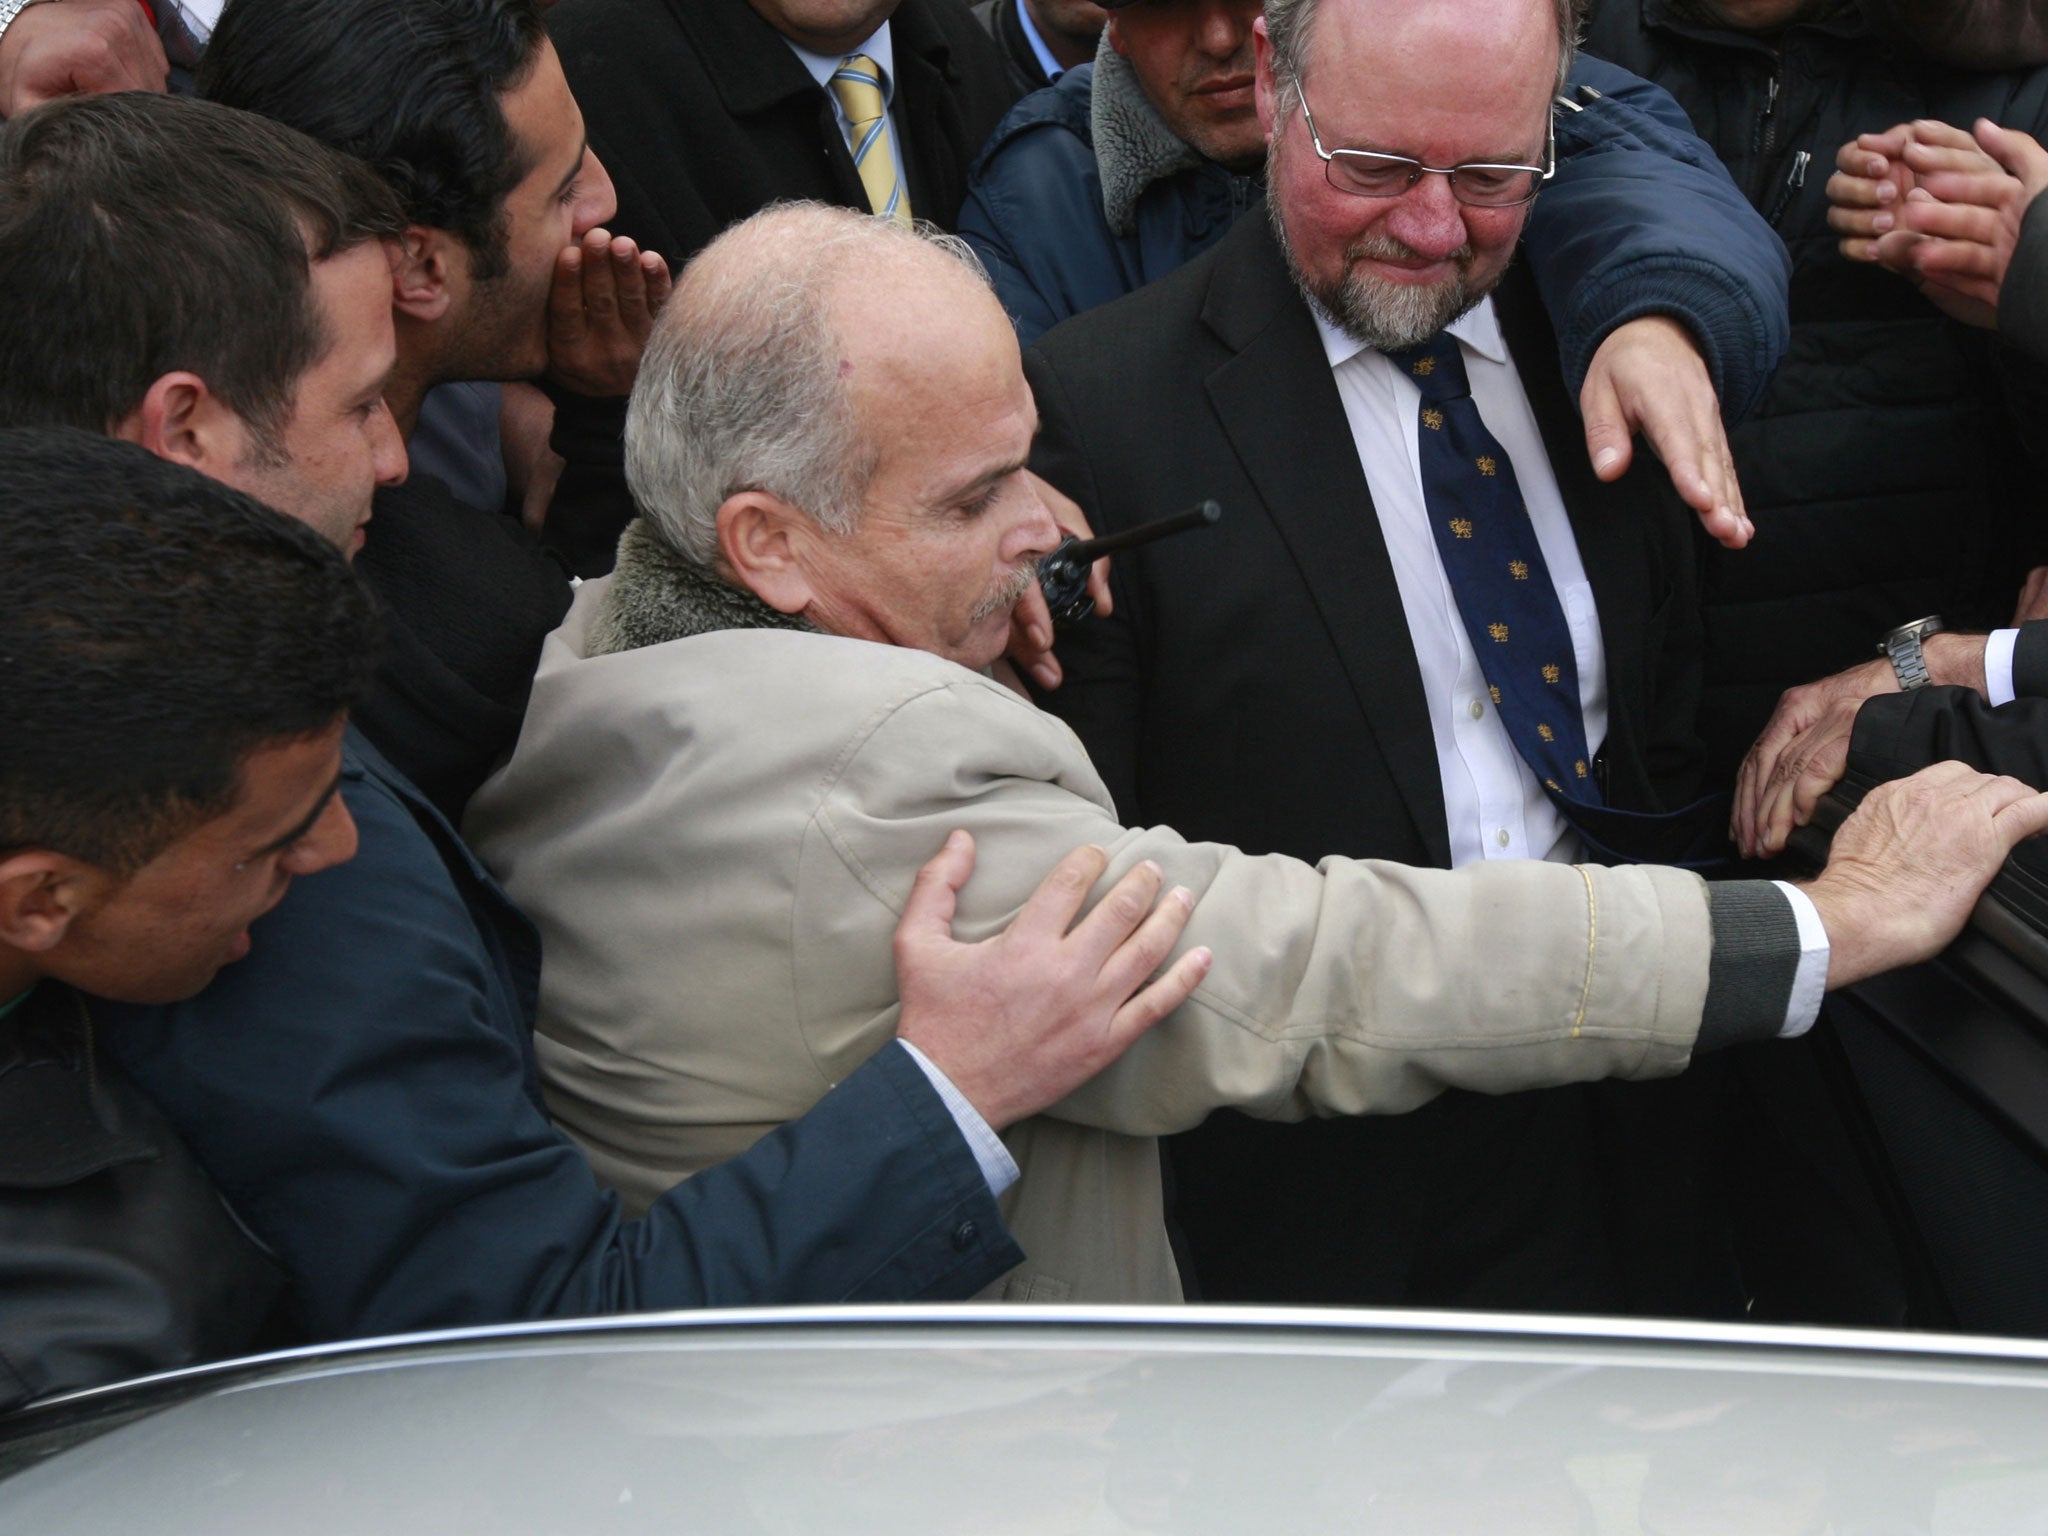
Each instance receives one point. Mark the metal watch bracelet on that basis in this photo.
(9, 9)
(1904, 647)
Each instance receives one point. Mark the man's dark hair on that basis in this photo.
(410, 87)
(143, 234)
(159, 625)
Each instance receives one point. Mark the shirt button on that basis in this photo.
(1501, 837)
(964, 1235)
(1478, 709)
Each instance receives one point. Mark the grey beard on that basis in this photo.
(1386, 316)
(1006, 595)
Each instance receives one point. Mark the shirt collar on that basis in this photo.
(1053, 67)
(878, 47)
(1478, 328)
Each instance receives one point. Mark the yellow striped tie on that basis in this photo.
(857, 82)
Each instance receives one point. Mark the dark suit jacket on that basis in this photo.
(1001, 19)
(703, 115)
(363, 1088)
(1257, 686)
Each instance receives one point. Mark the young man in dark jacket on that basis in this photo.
(155, 801)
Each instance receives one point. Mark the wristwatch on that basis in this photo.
(9, 9)
(1903, 647)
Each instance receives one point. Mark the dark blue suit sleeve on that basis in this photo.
(1643, 219)
(363, 1089)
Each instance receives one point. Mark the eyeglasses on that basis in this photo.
(1367, 173)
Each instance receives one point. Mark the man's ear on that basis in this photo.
(181, 419)
(424, 268)
(760, 542)
(1116, 36)
(41, 895)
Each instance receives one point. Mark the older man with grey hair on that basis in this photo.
(746, 740)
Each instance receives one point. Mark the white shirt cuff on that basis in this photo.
(997, 1166)
(1810, 981)
(1998, 646)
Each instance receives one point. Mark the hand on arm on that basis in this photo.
(1649, 377)
(1803, 750)
(79, 47)
(601, 309)
(1021, 1020)
(1031, 623)
(1907, 868)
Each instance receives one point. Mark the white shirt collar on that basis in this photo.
(1478, 328)
(878, 47)
(1053, 67)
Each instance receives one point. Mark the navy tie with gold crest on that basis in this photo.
(1498, 575)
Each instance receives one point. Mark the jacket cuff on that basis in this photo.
(2030, 661)
(1754, 964)
(2023, 296)
(1732, 333)
(966, 1247)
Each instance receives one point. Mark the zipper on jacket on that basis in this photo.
(1793, 182)
(1766, 123)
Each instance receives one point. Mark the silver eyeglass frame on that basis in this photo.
(1417, 170)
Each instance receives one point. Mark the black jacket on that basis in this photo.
(467, 599)
(1000, 17)
(703, 115)
(1883, 468)
(1257, 687)
(2023, 299)
(116, 1256)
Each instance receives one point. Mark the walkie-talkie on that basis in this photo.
(1063, 574)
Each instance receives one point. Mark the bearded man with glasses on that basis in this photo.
(1423, 631)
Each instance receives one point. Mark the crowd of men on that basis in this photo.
(537, 778)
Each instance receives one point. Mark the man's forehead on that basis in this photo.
(1427, 65)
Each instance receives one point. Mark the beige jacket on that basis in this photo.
(716, 836)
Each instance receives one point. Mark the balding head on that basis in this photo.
(832, 414)
(746, 381)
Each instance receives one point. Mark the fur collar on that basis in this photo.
(657, 595)
(1133, 146)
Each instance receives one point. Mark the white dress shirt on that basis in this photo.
(1493, 804)
(990, 1155)
(883, 52)
(1053, 67)
(1998, 648)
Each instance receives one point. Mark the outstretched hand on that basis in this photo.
(1649, 377)
(1907, 868)
(1021, 1020)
